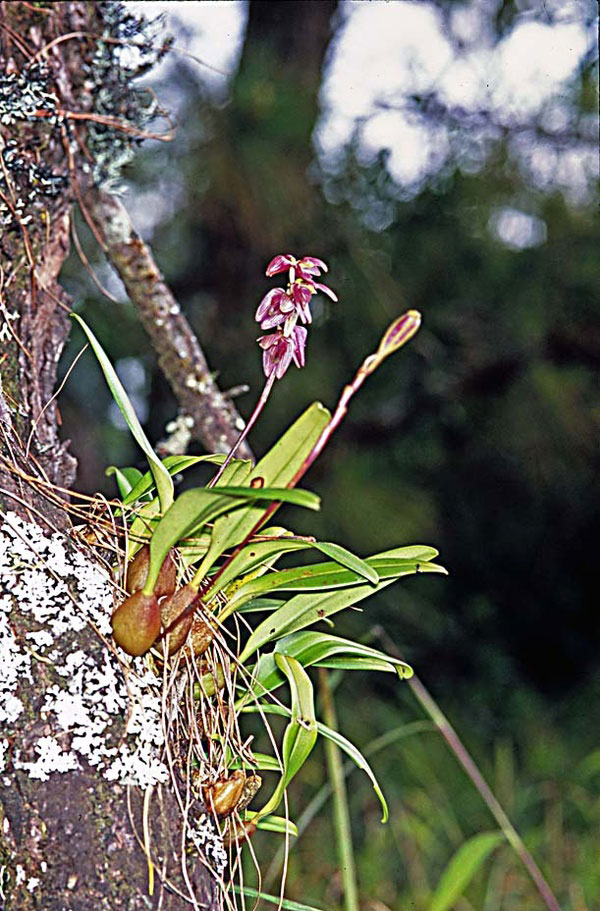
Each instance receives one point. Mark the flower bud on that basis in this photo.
(224, 795)
(136, 623)
(137, 573)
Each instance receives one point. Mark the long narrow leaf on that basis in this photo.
(255, 554)
(162, 478)
(345, 745)
(174, 465)
(144, 523)
(194, 508)
(321, 576)
(261, 604)
(278, 824)
(310, 647)
(126, 478)
(305, 609)
(349, 560)
(301, 732)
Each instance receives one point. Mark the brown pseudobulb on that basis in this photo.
(236, 833)
(176, 618)
(137, 573)
(136, 623)
(224, 795)
(252, 786)
(201, 636)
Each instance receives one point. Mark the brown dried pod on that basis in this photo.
(223, 796)
(136, 623)
(174, 607)
(137, 573)
(236, 833)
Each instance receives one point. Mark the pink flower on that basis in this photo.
(274, 309)
(304, 268)
(280, 263)
(280, 350)
(325, 290)
(301, 295)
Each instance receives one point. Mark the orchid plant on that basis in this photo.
(207, 554)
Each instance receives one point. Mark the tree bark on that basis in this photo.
(78, 779)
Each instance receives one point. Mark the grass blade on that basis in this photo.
(462, 868)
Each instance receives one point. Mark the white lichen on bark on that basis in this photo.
(59, 591)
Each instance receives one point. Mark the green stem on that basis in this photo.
(341, 815)
(251, 421)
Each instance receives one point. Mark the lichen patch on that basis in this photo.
(59, 591)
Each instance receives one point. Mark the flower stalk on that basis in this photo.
(397, 335)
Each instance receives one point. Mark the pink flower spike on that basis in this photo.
(326, 291)
(280, 263)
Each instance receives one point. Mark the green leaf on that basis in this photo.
(144, 523)
(255, 554)
(321, 576)
(194, 508)
(284, 903)
(305, 609)
(162, 478)
(275, 824)
(310, 647)
(359, 761)
(265, 552)
(189, 511)
(277, 468)
(261, 604)
(126, 478)
(261, 761)
(236, 472)
(462, 868)
(300, 734)
(296, 496)
(345, 745)
(174, 465)
(349, 560)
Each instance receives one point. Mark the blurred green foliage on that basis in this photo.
(481, 438)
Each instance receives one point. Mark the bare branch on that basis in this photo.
(216, 422)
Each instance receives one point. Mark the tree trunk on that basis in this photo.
(94, 807)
